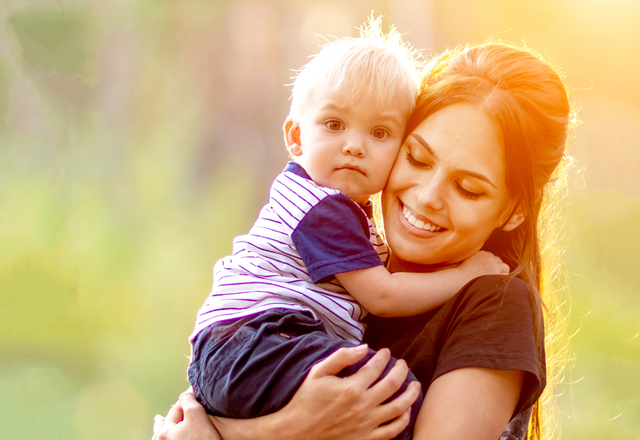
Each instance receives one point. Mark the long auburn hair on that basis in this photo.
(528, 99)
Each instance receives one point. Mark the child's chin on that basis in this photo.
(360, 199)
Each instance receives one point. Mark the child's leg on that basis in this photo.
(258, 368)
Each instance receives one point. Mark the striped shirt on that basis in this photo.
(304, 235)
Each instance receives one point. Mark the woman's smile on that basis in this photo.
(418, 224)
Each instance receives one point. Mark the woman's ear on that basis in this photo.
(516, 219)
(292, 137)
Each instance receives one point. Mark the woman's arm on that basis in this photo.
(325, 407)
(469, 403)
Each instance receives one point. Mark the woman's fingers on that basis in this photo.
(338, 360)
(158, 423)
(391, 383)
(175, 414)
(187, 420)
(196, 416)
(193, 411)
(393, 417)
(371, 371)
(164, 425)
(399, 405)
(393, 429)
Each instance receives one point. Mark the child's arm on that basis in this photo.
(407, 293)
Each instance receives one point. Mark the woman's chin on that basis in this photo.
(400, 263)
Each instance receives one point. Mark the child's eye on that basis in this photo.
(380, 133)
(334, 125)
(468, 194)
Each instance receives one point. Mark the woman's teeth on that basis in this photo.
(418, 223)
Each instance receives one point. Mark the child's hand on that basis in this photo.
(483, 263)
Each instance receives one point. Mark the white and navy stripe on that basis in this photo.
(303, 226)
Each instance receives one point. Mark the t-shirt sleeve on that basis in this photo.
(498, 327)
(333, 237)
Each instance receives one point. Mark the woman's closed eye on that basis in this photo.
(415, 162)
(471, 195)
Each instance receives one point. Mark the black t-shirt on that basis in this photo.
(488, 323)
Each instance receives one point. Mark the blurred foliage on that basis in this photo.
(138, 138)
(602, 397)
(56, 41)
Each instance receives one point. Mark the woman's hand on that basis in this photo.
(351, 407)
(186, 420)
(328, 407)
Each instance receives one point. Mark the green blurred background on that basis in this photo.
(137, 137)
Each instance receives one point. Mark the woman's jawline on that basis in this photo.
(395, 264)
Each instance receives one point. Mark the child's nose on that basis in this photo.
(355, 146)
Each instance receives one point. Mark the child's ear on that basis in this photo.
(516, 219)
(292, 137)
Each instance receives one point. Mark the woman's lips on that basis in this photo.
(417, 226)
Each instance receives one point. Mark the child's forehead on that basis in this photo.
(374, 102)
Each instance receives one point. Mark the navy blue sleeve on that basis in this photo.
(333, 238)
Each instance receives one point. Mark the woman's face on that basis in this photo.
(446, 192)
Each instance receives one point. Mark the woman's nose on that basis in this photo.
(430, 192)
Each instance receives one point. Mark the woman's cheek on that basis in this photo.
(396, 171)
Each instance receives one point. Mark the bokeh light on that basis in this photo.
(137, 138)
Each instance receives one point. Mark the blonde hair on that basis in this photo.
(526, 96)
(554, 293)
(375, 67)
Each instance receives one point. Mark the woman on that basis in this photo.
(488, 131)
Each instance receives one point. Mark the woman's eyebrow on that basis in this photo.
(420, 139)
(473, 174)
(478, 176)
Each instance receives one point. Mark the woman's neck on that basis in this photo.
(395, 264)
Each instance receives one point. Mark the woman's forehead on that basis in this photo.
(465, 138)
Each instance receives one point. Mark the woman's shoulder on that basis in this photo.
(502, 282)
(500, 286)
(507, 299)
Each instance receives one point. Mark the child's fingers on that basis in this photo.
(338, 360)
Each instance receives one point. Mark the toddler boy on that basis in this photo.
(278, 304)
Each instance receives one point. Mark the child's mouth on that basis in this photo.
(353, 168)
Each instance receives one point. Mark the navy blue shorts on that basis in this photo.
(253, 366)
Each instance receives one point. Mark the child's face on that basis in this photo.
(351, 149)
